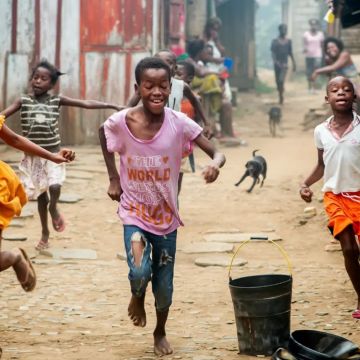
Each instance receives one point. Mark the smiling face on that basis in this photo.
(41, 81)
(154, 90)
(340, 94)
(332, 50)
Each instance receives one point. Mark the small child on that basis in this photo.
(151, 140)
(338, 144)
(13, 198)
(39, 113)
(185, 71)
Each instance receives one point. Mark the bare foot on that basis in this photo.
(136, 311)
(161, 345)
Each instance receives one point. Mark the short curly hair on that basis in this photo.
(336, 41)
(194, 47)
(150, 63)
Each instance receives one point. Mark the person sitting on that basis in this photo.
(208, 84)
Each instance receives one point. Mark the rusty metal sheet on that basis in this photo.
(94, 66)
(5, 44)
(115, 90)
(70, 48)
(115, 25)
(48, 15)
(25, 35)
(17, 65)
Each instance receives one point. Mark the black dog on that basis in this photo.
(274, 119)
(254, 168)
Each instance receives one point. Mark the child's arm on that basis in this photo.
(23, 144)
(198, 109)
(12, 109)
(135, 99)
(211, 172)
(316, 175)
(114, 190)
(338, 64)
(88, 104)
(292, 57)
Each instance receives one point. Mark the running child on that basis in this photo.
(39, 113)
(179, 90)
(338, 144)
(13, 198)
(151, 140)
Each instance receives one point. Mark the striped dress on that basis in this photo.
(40, 121)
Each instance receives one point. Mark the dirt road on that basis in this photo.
(79, 309)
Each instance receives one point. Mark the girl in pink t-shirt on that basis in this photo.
(313, 44)
(151, 141)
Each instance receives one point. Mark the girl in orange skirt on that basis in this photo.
(338, 144)
(13, 198)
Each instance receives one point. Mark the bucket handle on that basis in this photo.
(280, 248)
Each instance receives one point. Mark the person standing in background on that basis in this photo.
(281, 49)
(313, 43)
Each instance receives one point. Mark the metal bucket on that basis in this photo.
(262, 307)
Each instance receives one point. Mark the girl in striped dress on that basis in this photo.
(39, 113)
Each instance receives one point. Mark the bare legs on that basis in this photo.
(45, 204)
(136, 308)
(226, 119)
(161, 345)
(43, 201)
(351, 254)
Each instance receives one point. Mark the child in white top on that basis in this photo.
(338, 144)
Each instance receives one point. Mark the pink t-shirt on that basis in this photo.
(313, 44)
(149, 170)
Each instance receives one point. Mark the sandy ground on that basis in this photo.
(79, 308)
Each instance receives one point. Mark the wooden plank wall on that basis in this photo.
(56, 30)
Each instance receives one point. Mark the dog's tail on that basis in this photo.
(254, 152)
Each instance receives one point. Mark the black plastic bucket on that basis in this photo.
(262, 306)
(318, 345)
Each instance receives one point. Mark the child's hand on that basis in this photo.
(306, 193)
(207, 131)
(314, 75)
(114, 190)
(64, 155)
(69, 155)
(210, 173)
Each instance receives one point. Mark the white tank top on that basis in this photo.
(176, 95)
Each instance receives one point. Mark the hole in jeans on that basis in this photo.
(137, 248)
(165, 258)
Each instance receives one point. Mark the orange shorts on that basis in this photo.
(343, 210)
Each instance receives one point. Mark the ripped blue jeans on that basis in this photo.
(157, 264)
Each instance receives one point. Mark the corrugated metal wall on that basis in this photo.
(96, 43)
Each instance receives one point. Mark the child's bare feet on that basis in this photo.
(161, 345)
(136, 310)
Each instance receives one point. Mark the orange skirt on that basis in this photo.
(343, 210)
(12, 195)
